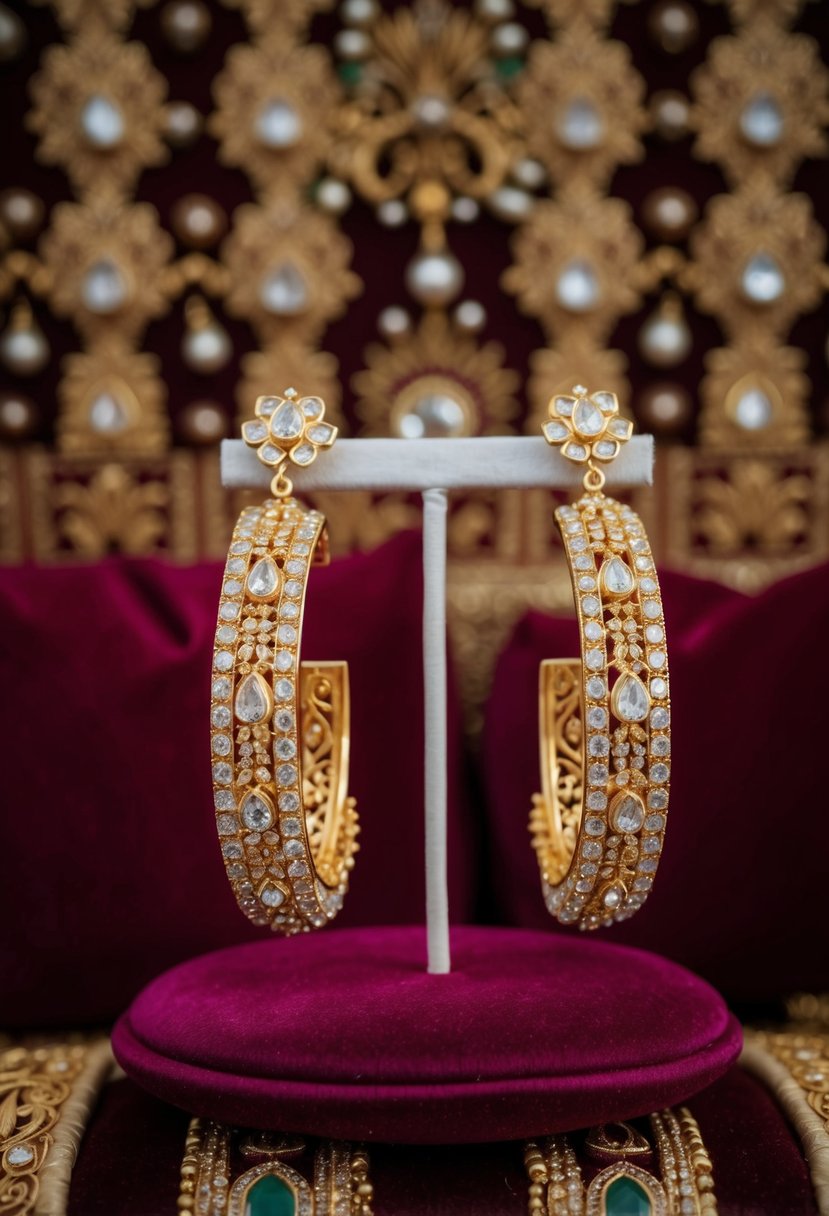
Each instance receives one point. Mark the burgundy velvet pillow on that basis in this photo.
(112, 869)
(740, 896)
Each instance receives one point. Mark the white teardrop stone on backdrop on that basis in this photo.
(102, 123)
(107, 415)
(577, 288)
(580, 127)
(104, 289)
(762, 280)
(761, 121)
(278, 125)
(754, 410)
(283, 291)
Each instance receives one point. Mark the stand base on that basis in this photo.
(344, 1034)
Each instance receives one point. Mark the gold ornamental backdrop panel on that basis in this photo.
(434, 216)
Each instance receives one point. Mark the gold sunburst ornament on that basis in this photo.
(288, 429)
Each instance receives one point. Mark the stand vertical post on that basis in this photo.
(435, 762)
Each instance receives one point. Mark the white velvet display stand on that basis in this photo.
(432, 467)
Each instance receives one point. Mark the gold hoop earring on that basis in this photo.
(279, 727)
(598, 826)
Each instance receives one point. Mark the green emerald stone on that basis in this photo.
(270, 1196)
(626, 1197)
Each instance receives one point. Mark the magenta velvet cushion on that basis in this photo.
(112, 868)
(344, 1034)
(740, 893)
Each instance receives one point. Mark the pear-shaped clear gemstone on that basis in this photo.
(762, 280)
(283, 291)
(104, 289)
(102, 123)
(256, 811)
(287, 422)
(580, 127)
(577, 288)
(753, 410)
(587, 418)
(616, 577)
(263, 580)
(278, 125)
(629, 700)
(107, 415)
(627, 812)
(254, 701)
(761, 121)
(312, 407)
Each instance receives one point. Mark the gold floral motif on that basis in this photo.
(278, 15)
(288, 269)
(435, 381)
(756, 222)
(98, 70)
(115, 13)
(563, 12)
(429, 110)
(274, 101)
(579, 361)
(112, 511)
(112, 400)
(111, 257)
(290, 363)
(755, 506)
(754, 395)
(777, 72)
(781, 11)
(585, 236)
(581, 105)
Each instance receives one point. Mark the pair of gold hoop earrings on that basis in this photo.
(280, 727)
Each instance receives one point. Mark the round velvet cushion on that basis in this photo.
(344, 1034)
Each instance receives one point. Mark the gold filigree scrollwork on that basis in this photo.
(760, 102)
(107, 265)
(754, 394)
(435, 380)
(302, 282)
(274, 102)
(428, 110)
(562, 744)
(581, 105)
(112, 400)
(99, 109)
(756, 260)
(325, 741)
(576, 264)
(35, 1083)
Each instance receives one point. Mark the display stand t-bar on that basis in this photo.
(432, 467)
